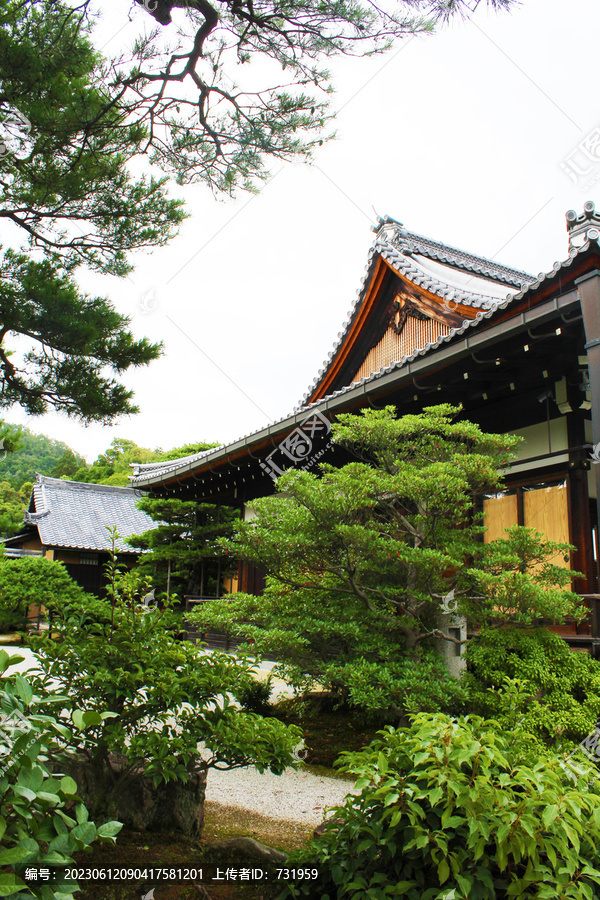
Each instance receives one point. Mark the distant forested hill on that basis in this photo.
(22, 454)
(27, 453)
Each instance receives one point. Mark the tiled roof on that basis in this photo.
(74, 514)
(410, 242)
(148, 477)
(467, 324)
(146, 468)
(411, 256)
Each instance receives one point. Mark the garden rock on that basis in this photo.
(325, 824)
(248, 848)
(175, 806)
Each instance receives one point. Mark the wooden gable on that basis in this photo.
(396, 319)
(415, 292)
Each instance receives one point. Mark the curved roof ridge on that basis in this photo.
(411, 241)
(432, 284)
(399, 260)
(65, 484)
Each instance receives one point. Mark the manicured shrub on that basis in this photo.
(563, 687)
(32, 581)
(451, 808)
(254, 696)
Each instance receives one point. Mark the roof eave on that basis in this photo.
(451, 347)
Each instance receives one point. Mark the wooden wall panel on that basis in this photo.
(392, 347)
(546, 510)
(500, 513)
(250, 580)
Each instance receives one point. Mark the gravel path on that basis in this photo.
(295, 796)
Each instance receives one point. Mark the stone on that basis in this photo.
(174, 806)
(324, 826)
(248, 848)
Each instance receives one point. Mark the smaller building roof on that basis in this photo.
(76, 515)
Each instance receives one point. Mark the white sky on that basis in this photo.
(459, 135)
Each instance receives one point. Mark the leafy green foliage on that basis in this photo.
(451, 808)
(562, 688)
(67, 466)
(360, 558)
(33, 581)
(164, 696)
(185, 557)
(255, 696)
(114, 466)
(513, 581)
(35, 827)
(12, 504)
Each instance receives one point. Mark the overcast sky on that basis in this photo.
(465, 136)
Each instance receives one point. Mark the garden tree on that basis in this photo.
(72, 121)
(26, 453)
(162, 697)
(42, 820)
(67, 466)
(35, 581)
(222, 87)
(458, 808)
(361, 558)
(558, 696)
(66, 187)
(114, 465)
(186, 555)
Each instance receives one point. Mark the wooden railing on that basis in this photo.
(208, 635)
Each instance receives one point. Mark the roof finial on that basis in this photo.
(585, 227)
(385, 220)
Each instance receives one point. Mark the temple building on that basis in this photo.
(435, 324)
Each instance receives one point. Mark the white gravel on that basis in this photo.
(296, 796)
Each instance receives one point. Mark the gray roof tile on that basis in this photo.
(410, 242)
(74, 514)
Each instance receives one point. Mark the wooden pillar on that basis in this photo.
(588, 287)
(580, 524)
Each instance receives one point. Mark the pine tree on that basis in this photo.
(66, 187)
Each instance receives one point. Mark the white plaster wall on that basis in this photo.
(536, 443)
